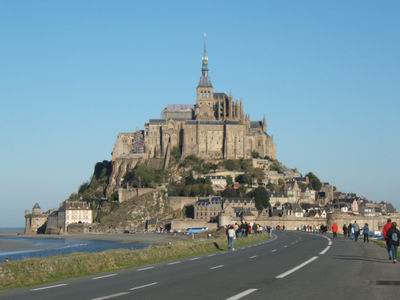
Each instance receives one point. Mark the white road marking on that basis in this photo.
(330, 243)
(49, 287)
(254, 256)
(325, 250)
(195, 258)
(216, 267)
(111, 296)
(174, 263)
(144, 269)
(242, 294)
(273, 250)
(143, 286)
(211, 255)
(283, 275)
(105, 276)
(285, 246)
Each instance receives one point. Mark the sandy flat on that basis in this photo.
(14, 245)
(147, 238)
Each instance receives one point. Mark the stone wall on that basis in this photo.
(78, 228)
(183, 224)
(128, 194)
(374, 223)
(290, 222)
(178, 203)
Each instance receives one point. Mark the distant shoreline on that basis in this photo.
(11, 231)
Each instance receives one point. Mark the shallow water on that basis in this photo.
(16, 248)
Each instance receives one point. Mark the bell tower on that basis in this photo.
(205, 90)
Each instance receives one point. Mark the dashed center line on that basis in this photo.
(143, 286)
(216, 267)
(273, 250)
(111, 296)
(242, 294)
(211, 255)
(174, 263)
(105, 276)
(195, 258)
(285, 246)
(283, 275)
(49, 287)
(144, 269)
(254, 256)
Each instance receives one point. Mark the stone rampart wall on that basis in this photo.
(290, 223)
(374, 223)
(187, 223)
(178, 203)
(128, 194)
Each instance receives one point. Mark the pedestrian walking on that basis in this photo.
(350, 231)
(356, 231)
(385, 230)
(344, 228)
(366, 233)
(231, 234)
(334, 230)
(269, 231)
(393, 237)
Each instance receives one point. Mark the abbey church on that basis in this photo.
(214, 128)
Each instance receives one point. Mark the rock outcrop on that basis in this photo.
(133, 214)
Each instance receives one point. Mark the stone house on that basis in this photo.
(292, 191)
(74, 212)
(208, 208)
(218, 182)
(238, 206)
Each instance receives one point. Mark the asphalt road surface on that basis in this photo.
(293, 265)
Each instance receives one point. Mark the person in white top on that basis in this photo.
(231, 234)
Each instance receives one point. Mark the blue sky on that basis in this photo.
(75, 73)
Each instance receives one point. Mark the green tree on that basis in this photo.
(229, 192)
(276, 166)
(315, 183)
(229, 180)
(261, 197)
(244, 179)
(255, 154)
(176, 153)
(232, 165)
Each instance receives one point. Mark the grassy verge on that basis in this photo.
(45, 270)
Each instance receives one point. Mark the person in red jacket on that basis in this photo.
(334, 230)
(385, 230)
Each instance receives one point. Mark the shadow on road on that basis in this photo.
(217, 246)
(361, 258)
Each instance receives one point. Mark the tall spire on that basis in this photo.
(204, 80)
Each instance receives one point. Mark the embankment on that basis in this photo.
(40, 271)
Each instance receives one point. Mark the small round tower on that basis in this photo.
(36, 209)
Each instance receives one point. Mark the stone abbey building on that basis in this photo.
(214, 128)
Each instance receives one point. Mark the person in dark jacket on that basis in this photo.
(366, 233)
(394, 239)
(349, 235)
(344, 231)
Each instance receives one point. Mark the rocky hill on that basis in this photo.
(133, 215)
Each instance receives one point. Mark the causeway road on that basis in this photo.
(291, 265)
